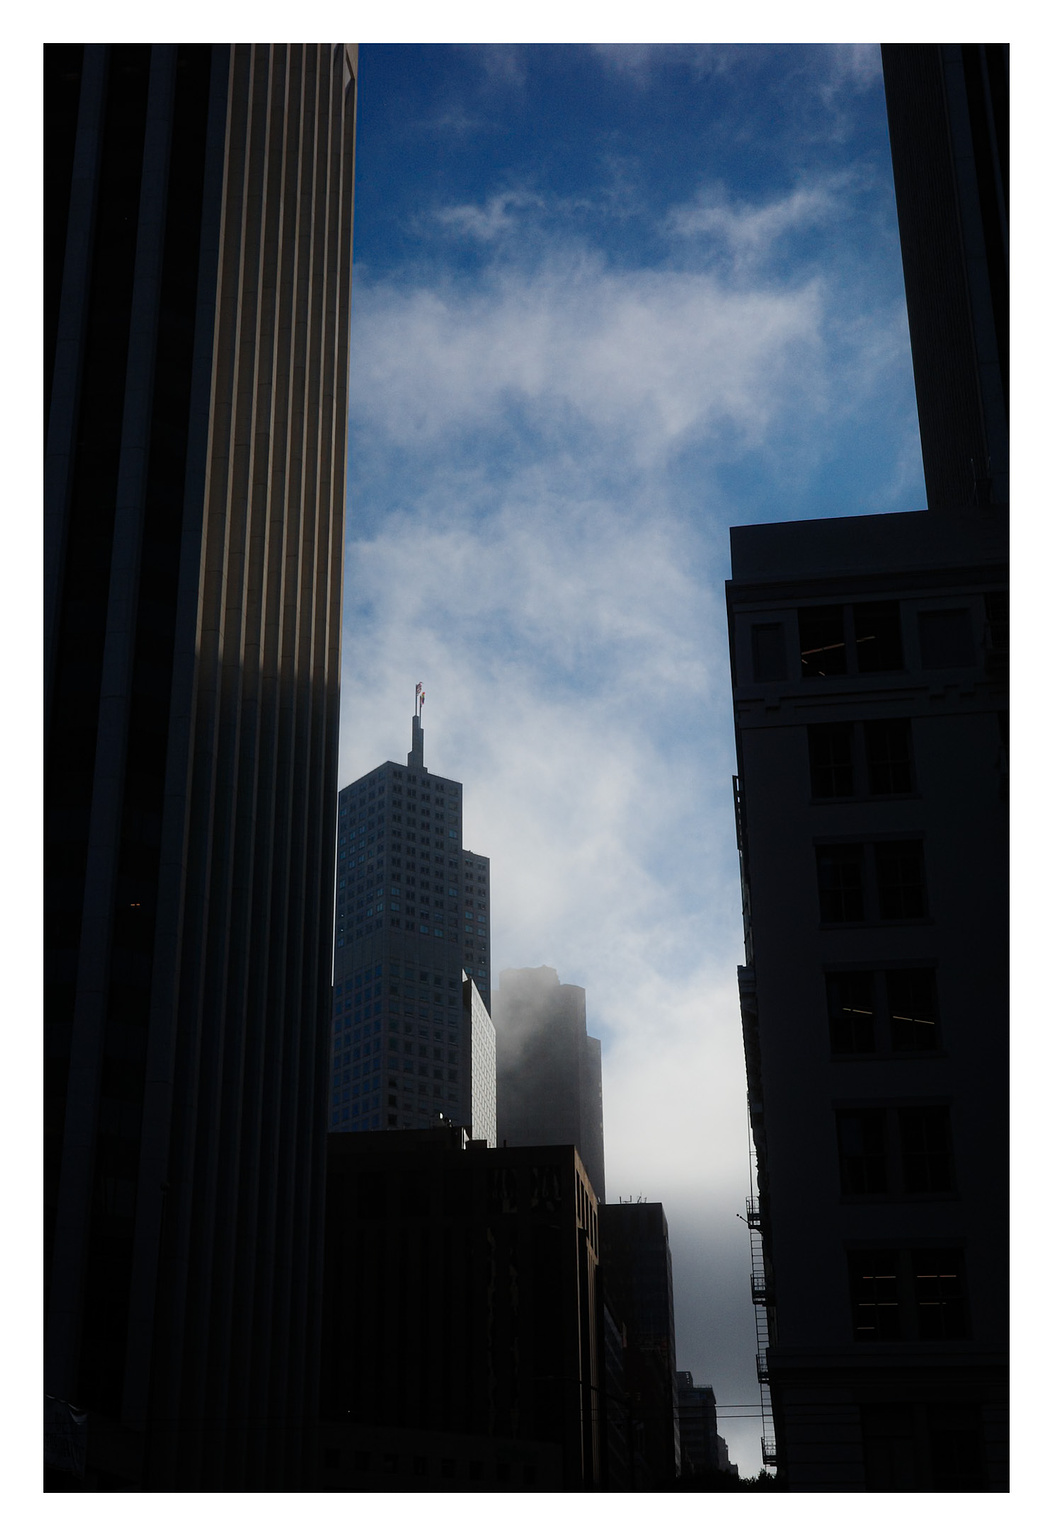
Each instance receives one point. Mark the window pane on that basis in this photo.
(900, 880)
(912, 1010)
(840, 871)
(830, 758)
(939, 1293)
(946, 638)
(956, 1446)
(769, 653)
(850, 1003)
(873, 1277)
(822, 637)
(861, 1145)
(925, 1144)
(878, 644)
(888, 756)
(890, 1449)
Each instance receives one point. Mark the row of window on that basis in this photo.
(838, 639)
(882, 1011)
(915, 1293)
(396, 972)
(841, 764)
(344, 1042)
(895, 1151)
(860, 882)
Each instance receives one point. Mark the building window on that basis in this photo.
(873, 1278)
(840, 870)
(890, 1449)
(769, 653)
(850, 1009)
(914, 1025)
(830, 758)
(861, 1144)
(900, 880)
(939, 1293)
(888, 756)
(822, 636)
(925, 1142)
(907, 1294)
(945, 638)
(879, 647)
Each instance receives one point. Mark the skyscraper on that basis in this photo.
(197, 286)
(549, 1082)
(412, 1038)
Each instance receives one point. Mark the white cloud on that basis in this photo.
(749, 231)
(538, 533)
(497, 217)
(652, 359)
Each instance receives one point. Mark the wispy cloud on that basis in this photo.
(541, 449)
(654, 359)
(499, 216)
(748, 233)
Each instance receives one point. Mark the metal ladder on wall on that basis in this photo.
(761, 1299)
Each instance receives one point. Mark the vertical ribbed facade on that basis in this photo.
(948, 120)
(199, 204)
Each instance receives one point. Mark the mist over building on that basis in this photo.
(549, 1076)
(412, 1039)
(197, 309)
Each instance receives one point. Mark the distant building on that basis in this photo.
(869, 664)
(549, 1081)
(702, 1449)
(461, 1340)
(197, 285)
(412, 1040)
(637, 1274)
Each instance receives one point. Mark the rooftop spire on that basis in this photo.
(416, 753)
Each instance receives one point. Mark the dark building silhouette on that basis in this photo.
(869, 663)
(549, 1075)
(637, 1271)
(870, 698)
(461, 1346)
(412, 1039)
(197, 286)
(948, 119)
(702, 1449)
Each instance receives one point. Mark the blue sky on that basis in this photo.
(608, 302)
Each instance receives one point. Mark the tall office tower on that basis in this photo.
(702, 1449)
(637, 1276)
(461, 1345)
(948, 119)
(549, 1080)
(869, 666)
(412, 1038)
(197, 285)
